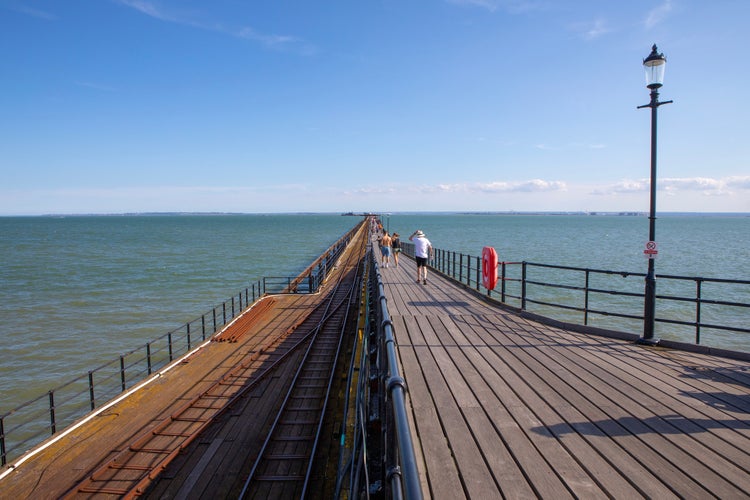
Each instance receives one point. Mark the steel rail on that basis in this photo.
(284, 463)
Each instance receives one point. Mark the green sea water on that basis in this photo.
(77, 291)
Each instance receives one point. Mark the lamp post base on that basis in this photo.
(648, 342)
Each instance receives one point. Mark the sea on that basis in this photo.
(77, 291)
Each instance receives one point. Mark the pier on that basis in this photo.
(499, 404)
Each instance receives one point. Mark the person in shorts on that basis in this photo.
(385, 248)
(396, 246)
(422, 252)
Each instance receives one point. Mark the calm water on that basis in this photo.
(77, 291)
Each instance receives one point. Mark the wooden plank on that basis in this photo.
(533, 384)
(476, 477)
(595, 398)
(440, 468)
(649, 405)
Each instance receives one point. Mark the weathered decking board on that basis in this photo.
(506, 406)
(220, 453)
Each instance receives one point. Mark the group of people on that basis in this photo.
(391, 246)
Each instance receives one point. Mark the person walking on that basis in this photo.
(386, 248)
(422, 251)
(396, 246)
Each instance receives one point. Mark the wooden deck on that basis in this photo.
(506, 407)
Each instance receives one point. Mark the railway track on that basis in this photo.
(283, 467)
(285, 460)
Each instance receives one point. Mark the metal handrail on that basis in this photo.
(519, 290)
(402, 474)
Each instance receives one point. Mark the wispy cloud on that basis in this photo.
(96, 86)
(591, 30)
(703, 185)
(657, 14)
(281, 42)
(513, 6)
(492, 187)
(491, 5)
(738, 182)
(571, 146)
(29, 11)
(531, 186)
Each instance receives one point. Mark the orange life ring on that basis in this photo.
(489, 268)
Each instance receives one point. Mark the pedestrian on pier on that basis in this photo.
(422, 251)
(396, 246)
(385, 248)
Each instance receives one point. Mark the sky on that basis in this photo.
(121, 106)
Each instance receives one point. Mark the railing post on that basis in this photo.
(479, 270)
(224, 313)
(188, 337)
(698, 311)
(502, 283)
(148, 356)
(214, 314)
(122, 371)
(460, 267)
(203, 325)
(53, 425)
(169, 343)
(232, 307)
(91, 389)
(3, 460)
(586, 300)
(523, 285)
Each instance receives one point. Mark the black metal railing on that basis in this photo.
(687, 307)
(379, 460)
(36, 420)
(399, 474)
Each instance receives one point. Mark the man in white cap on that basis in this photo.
(422, 251)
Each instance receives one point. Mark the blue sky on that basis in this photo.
(112, 106)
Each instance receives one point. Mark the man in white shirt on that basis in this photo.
(422, 251)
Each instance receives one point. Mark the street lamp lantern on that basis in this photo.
(654, 65)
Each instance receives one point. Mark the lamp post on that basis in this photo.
(654, 65)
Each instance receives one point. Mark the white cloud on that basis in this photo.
(591, 30)
(738, 182)
(513, 6)
(694, 194)
(657, 14)
(29, 11)
(490, 5)
(151, 9)
(96, 86)
(530, 186)
(704, 185)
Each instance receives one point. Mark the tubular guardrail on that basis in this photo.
(579, 295)
(30, 423)
(400, 475)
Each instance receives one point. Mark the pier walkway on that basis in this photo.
(508, 407)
